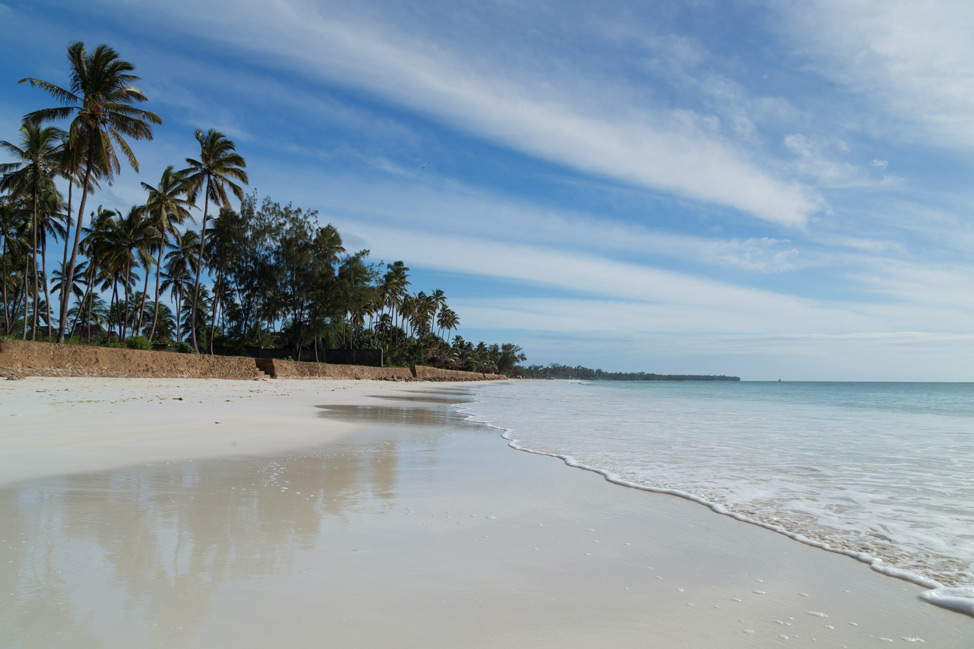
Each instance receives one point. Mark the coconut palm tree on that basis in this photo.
(32, 177)
(12, 231)
(393, 287)
(102, 100)
(50, 222)
(70, 169)
(78, 286)
(167, 209)
(132, 237)
(213, 174)
(181, 263)
(95, 245)
(447, 319)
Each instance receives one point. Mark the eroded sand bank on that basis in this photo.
(380, 520)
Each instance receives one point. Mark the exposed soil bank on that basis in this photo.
(20, 358)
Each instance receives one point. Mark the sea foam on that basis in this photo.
(872, 471)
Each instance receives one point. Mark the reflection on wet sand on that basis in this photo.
(446, 400)
(92, 557)
(392, 415)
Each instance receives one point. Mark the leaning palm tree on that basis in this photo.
(215, 172)
(32, 177)
(167, 209)
(102, 99)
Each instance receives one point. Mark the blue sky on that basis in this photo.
(762, 188)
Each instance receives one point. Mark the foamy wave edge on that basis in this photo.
(958, 598)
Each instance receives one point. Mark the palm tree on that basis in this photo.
(215, 172)
(167, 209)
(132, 237)
(102, 98)
(181, 262)
(38, 154)
(95, 245)
(78, 286)
(69, 168)
(439, 302)
(447, 319)
(393, 288)
(12, 232)
(95, 312)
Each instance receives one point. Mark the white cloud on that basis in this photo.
(911, 60)
(665, 300)
(431, 203)
(592, 125)
(813, 161)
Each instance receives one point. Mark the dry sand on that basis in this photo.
(130, 518)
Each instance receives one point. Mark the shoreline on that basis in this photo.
(399, 510)
(951, 597)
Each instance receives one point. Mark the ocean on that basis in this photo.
(883, 472)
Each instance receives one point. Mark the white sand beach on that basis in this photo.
(205, 513)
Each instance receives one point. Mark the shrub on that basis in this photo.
(138, 342)
(184, 347)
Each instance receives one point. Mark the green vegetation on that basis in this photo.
(138, 342)
(556, 371)
(277, 278)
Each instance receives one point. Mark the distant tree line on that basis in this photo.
(556, 371)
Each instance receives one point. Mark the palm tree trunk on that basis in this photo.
(68, 277)
(33, 254)
(216, 305)
(113, 307)
(125, 310)
(67, 231)
(3, 281)
(81, 307)
(155, 315)
(199, 267)
(145, 290)
(26, 292)
(91, 307)
(67, 239)
(179, 319)
(47, 293)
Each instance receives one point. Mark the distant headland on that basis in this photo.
(556, 371)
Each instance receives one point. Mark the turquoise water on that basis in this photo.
(881, 471)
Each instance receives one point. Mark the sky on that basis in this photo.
(760, 188)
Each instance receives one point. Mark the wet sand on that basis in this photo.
(344, 518)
